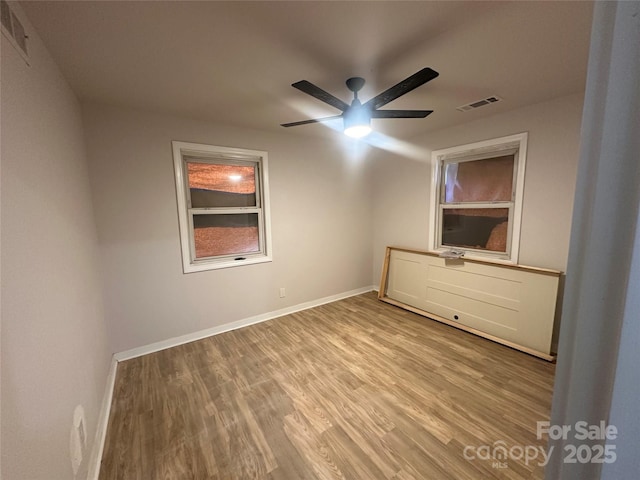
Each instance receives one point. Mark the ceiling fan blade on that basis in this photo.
(405, 86)
(400, 113)
(305, 122)
(310, 89)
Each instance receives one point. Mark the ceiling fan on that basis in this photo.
(357, 116)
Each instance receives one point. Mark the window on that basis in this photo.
(223, 206)
(476, 200)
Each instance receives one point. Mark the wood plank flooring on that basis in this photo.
(352, 390)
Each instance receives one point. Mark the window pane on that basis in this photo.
(216, 235)
(221, 185)
(479, 228)
(487, 180)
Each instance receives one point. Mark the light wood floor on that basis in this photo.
(355, 389)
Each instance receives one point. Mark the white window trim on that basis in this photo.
(479, 149)
(216, 153)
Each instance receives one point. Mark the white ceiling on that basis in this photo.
(234, 62)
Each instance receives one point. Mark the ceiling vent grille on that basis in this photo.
(13, 29)
(479, 103)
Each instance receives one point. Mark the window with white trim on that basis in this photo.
(223, 206)
(476, 201)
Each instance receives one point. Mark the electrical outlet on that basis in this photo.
(283, 292)
(77, 439)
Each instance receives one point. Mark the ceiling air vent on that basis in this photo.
(479, 103)
(13, 29)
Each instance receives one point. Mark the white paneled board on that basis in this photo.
(511, 304)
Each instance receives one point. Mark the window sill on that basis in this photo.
(218, 264)
(471, 255)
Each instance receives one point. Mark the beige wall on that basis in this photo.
(321, 226)
(54, 353)
(402, 187)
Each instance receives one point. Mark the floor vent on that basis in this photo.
(479, 103)
(13, 29)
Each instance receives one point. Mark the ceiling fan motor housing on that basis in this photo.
(356, 114)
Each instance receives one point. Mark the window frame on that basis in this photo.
(183, 152)
(516, 144)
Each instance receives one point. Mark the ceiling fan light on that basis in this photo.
(357, 123)
(357, 131)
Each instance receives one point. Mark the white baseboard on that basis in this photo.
(103, 420)
(190, 337)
